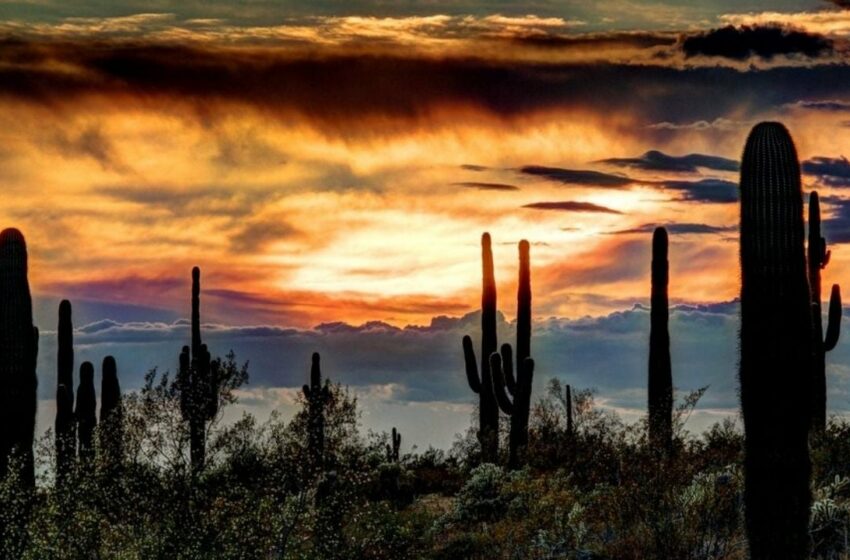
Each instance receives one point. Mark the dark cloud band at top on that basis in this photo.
(336, 90)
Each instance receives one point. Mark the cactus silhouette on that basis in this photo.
(776, 347)
(568, 402)
(317, 395)
(394, 446)
(488, 409)
(513, 394)
(198, 381)
(660, 383)
(111, 430)
(818, 258)
(85, 413)
(18, 354)
(65, 426)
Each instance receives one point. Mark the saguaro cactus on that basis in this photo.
(488, 409)
(513, 394)
(198, 380)
(568, 403)
(660, 384)
(394, 446)
(111, 415)
(818, 258)
(18, 354)
(66, 428)
(86, 413)
(317, 395)
(776, 347)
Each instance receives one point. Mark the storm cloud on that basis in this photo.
(767, 41)
(655, 160)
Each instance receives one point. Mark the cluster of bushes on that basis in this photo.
(596, 491)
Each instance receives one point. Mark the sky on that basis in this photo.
(332, 165)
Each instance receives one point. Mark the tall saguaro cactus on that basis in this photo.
(66, 428)
(111, 415)
(818, 258)
(18, 354)
(776, 347)
(198, 379)
(86, 413)
(660, 383)
(513, 394)
(568, 403)
(317, 395)
(488, 409)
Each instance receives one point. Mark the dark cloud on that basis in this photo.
(704, 190)
(339, 91)
(677, 228)
(471, 167)
(577, 176)
(833, 172)
(655, 160)
(219, 201)
(720, 124)
(836, 225)
(823, 105)
(91, 143)
(571, 206)
(596, 41)
(487, 186)
(700, 190)
(257, 235)
(766, 42)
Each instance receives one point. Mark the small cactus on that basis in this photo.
(818, 258)
(660, 385)
(394, 446)
(111, 415)
(317, 395)
(488, 409)
(65, 426)
(85, 413)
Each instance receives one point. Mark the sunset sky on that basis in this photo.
(331, 166)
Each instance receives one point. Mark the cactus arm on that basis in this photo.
(508, 368)
(502, 397)
(833, 328)
(471, 365)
